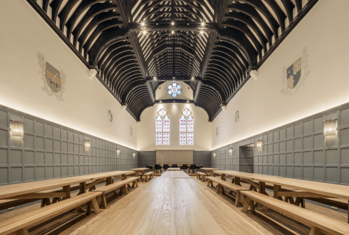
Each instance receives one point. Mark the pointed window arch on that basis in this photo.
(186, 128)
(162, 128)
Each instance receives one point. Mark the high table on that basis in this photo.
(173, 169)
(32, 191)
(211, 170)
(292, 187)
(138, 170)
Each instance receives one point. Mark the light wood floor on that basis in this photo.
(174, 204)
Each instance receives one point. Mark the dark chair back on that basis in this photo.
(174, 166)
(184, 167)
(192, 167)
(150, 167)
(157, 167)
(199, 166)
(166, 166)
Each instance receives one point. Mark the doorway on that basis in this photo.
(246, 158)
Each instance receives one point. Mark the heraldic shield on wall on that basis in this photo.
(53, 78)
(294, 74)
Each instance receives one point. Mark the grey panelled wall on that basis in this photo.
(298, 150)
(202, 157)
(199, 157)
(51, 151)
(146, 157)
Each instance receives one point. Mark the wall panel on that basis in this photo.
(297, 150)
(50, 151)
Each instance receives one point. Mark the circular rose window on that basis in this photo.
(174, 89)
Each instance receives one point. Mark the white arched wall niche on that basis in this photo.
(161, 91)
(146, 128)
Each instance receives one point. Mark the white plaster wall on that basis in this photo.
(23, 34)
(261, 103)
(161, 92)
(146, 128)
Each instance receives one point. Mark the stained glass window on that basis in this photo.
(166, 124)
(186, 128)
(162, 128)
(166, 138)
(190, 138)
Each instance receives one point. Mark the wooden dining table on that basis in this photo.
(289, 188)
(138, 171)
(18, 194)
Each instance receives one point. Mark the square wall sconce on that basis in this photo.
(330, 127)
(117, 152)
(231, 151)
(134, 154)
(259, 145)
(214, 154)
(17, 128)
(87, 145)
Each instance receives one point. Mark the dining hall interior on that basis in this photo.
(174, 117)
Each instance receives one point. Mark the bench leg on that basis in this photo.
(218, 188)
(314, 231)
(223, 191)
(252, 206)
(104, 201)
(121, 189)
(23, 231)
(125, 189)
(237, 199)
(246, 204)
(208, 182)
(95, 205)
(136, 183)
(204, 178)
(146, 178)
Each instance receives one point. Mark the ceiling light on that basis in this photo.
(201, 32)
(142, 23)
(144, 32)
(172, 23)
(172, 31)
(203, 23)
(192, 78)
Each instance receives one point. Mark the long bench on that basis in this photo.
(203, 175)
(21, 223)
(312, 219)
(224, 184)
(148, 175)
(121, 184)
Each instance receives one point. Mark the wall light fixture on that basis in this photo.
(87, 145)
(17, 128)
(259, 145)
(330, 127)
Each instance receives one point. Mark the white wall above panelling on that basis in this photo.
(85, 103)
(146, 128)
(266, 103)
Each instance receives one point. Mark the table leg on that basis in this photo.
(66, 189)
(222, 176)
(143, 172)
(237, 180)
(83, 188)
(277, 188)
(109, 180)
(136, 174)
